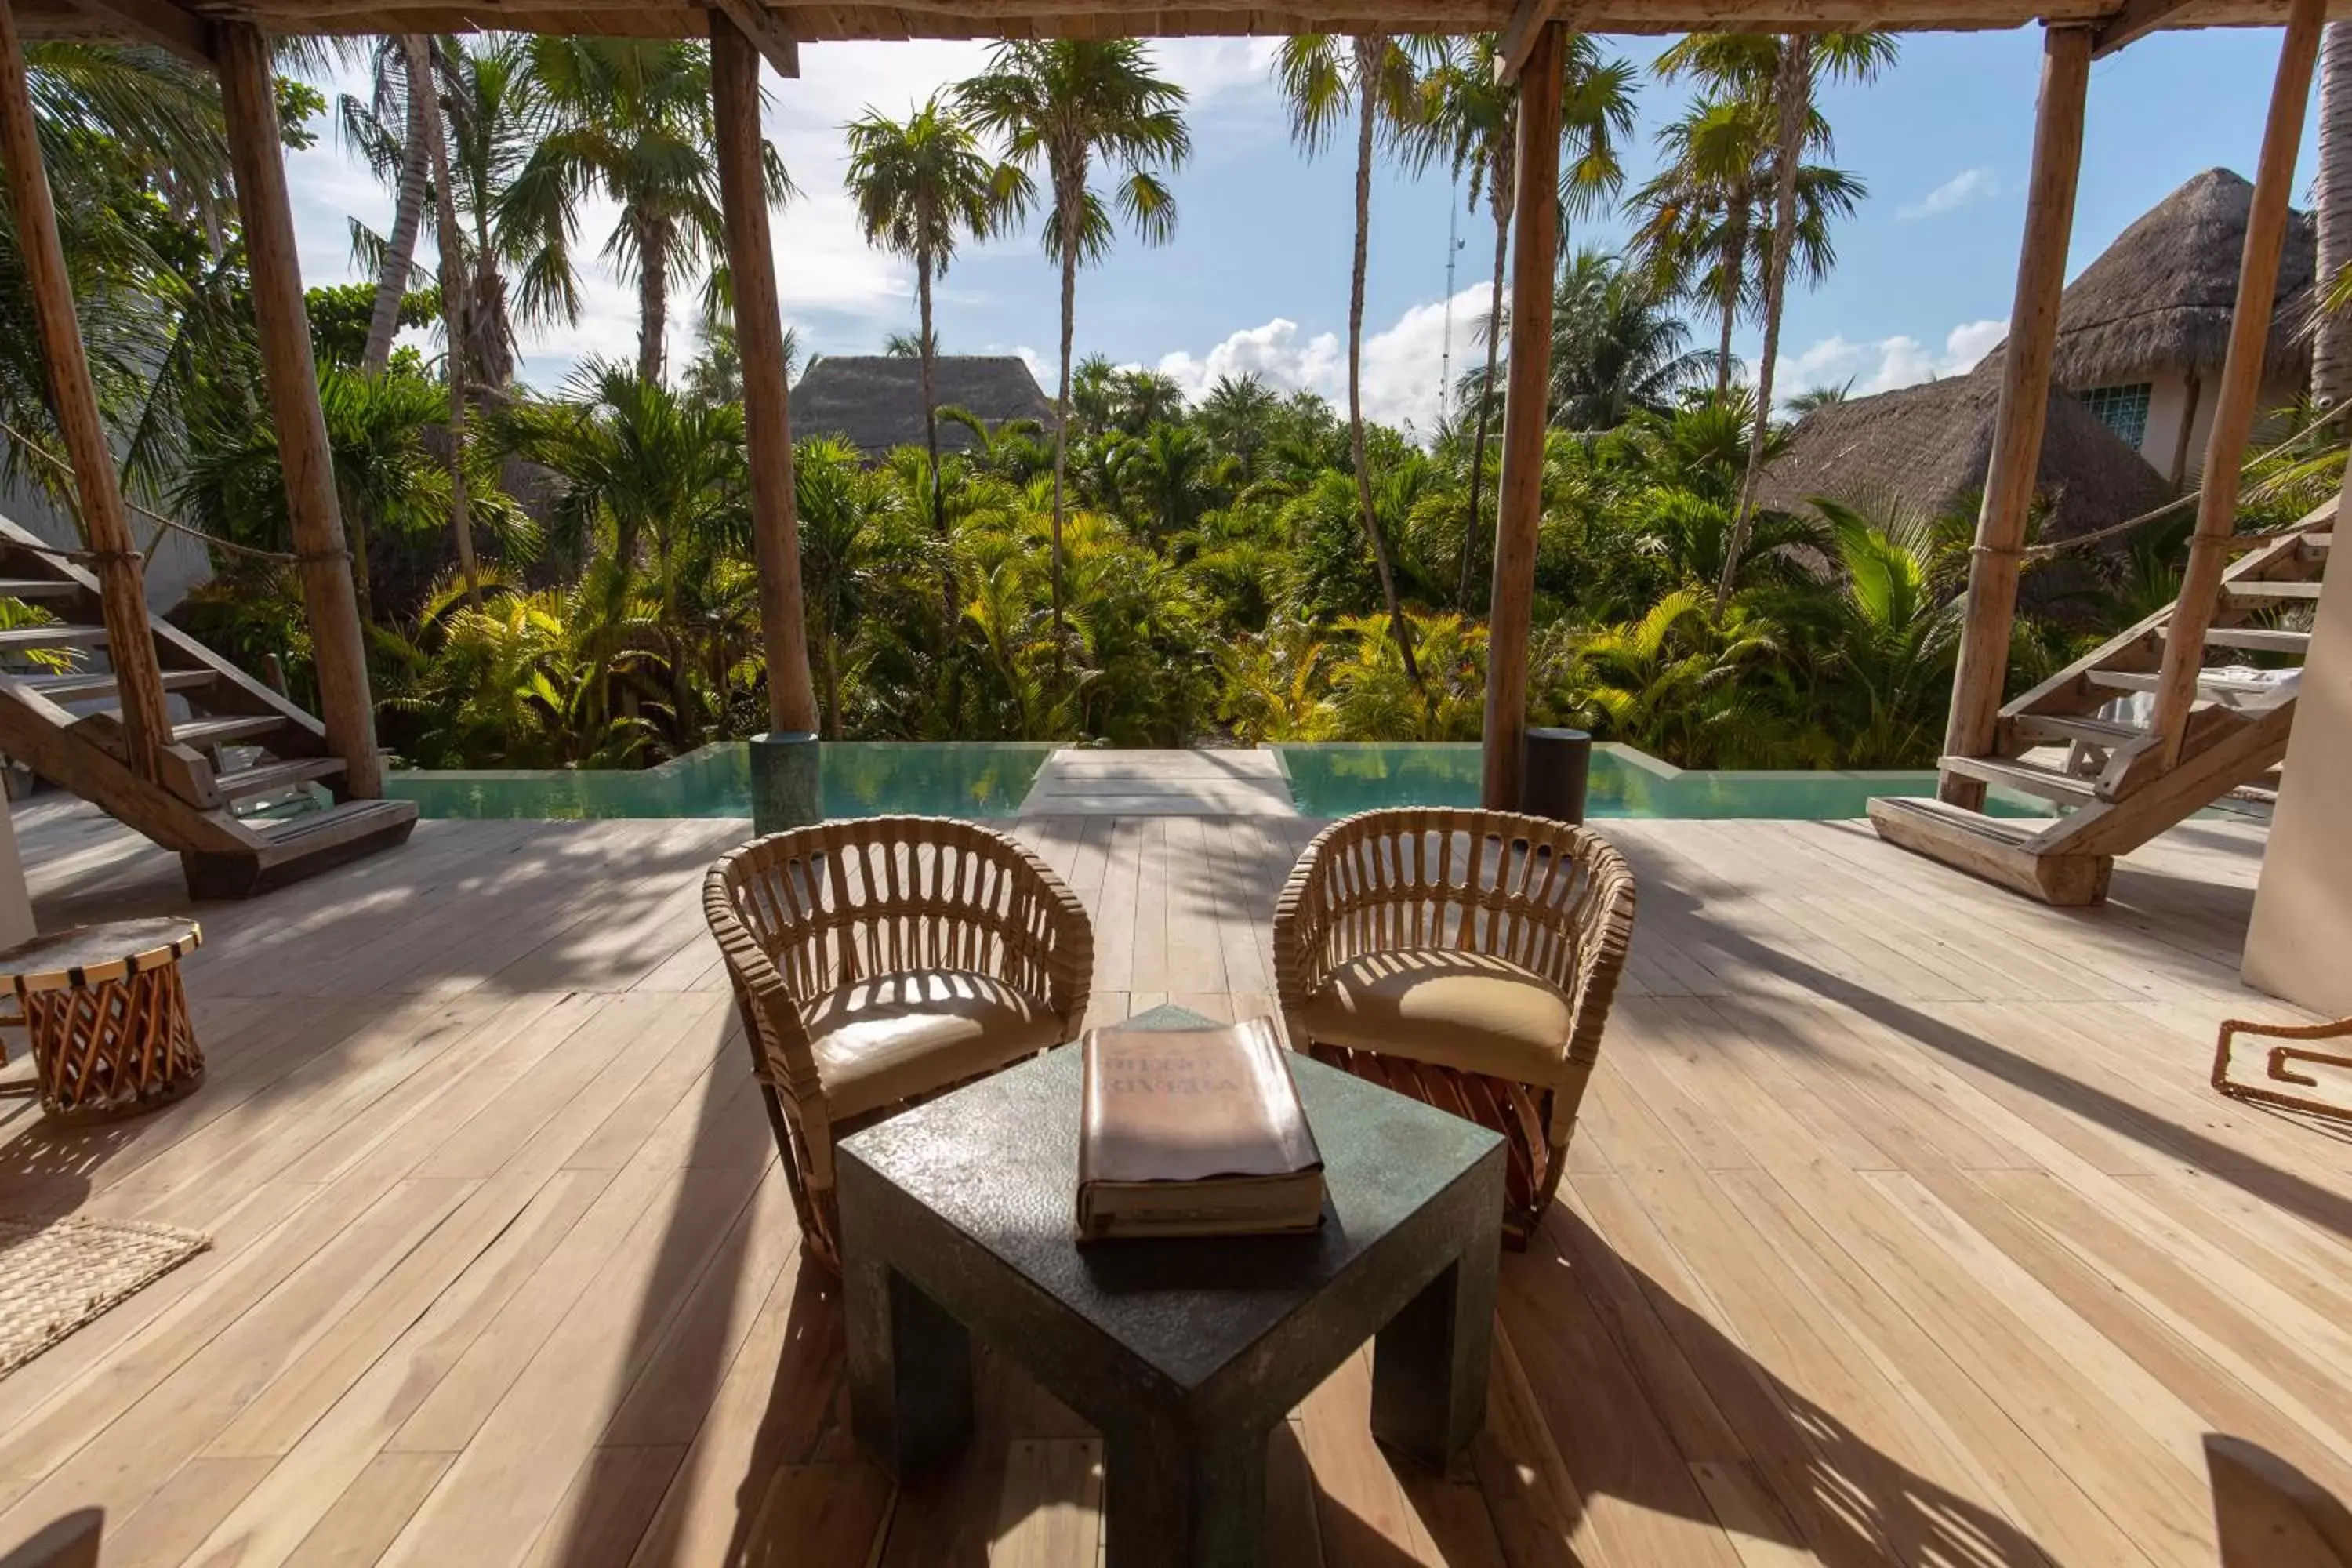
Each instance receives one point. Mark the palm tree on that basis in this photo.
(1890, 639)
(920, 186)
(496, 117)
(1473, 121)
(629, 118)
(2331, 341)
(1617, 348)
(1829, 395)
(1067, 102)
(1323, 79)
(401, 95)
(1237, 416)
(1755, 67)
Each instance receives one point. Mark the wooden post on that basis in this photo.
(2242, 380)
(759, 340)
(324, 563)
(122, 589)
(2025, 407)
(1518, 502)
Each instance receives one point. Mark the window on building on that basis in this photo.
(2122, 409)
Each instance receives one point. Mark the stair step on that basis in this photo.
(2258, 640)
(2219, 687)
(2262, 593)
(2076, 727)
(300, 846)
(239, 782)
(204, 732)
(37, 588)
(2000, 851)
(83, 684)
(2025, 777)
(58, 635)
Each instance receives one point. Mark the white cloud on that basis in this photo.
(1967, 186)
(1274, 352)
(1401, 363)
(1885, 363)
(824, 269)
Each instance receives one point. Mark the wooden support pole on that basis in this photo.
(2025, 407)
(2234, 402)
(1518, 507)
(760, 342)
(324, 563)
(122, 589)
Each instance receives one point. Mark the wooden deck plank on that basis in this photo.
(1900, 1226)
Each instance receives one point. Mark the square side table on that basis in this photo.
(957, 1219)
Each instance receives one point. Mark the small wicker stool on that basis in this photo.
(108, 1021)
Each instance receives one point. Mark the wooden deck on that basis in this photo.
(1901, 1228)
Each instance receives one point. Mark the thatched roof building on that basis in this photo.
(1926, 448)
(2161, 294)
(875, 402)
(2143, 329)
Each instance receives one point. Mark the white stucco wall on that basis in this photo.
(176, 564)
(2169, 400)
(2302, 927)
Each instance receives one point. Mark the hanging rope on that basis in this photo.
(2060, 547)
(231, 545)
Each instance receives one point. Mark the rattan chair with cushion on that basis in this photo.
(1465, 958)
(881, 960)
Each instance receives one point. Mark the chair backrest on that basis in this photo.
(1536, 892)
(844, 900)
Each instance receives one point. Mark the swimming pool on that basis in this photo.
(987, 779)
(858, 778)
(1338, 779)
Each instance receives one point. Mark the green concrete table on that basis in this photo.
(956, 1220)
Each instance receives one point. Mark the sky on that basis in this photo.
(1257, 276)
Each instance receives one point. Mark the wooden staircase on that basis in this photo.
(195, 805)
(2113, 787)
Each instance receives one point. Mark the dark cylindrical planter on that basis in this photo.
(785, 792)
(1552, 780)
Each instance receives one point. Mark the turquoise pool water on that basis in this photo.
(988, 779)
(859, 778)
(1338, 780)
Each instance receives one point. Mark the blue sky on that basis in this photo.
(1257, 276)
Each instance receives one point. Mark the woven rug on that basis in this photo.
(57, 1274)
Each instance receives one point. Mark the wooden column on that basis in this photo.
(759, 340)
(2241, 377)
(2025, 407)
(324, 559)
(1518, 506)
(122, 589)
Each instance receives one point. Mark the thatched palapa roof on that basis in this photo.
(122, 21)
(875, 402)
(1926, 448)
(2162, 295)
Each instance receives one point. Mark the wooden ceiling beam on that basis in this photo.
(2136, 20)
(163, 23)
(757, 23)
(1518, 39)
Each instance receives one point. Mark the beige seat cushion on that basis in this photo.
(885, 1039)
(1460, 1010)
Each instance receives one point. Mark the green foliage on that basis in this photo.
(1211, 549)
(339, 319)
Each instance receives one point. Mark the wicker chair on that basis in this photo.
(1465, 958)
(881, 960)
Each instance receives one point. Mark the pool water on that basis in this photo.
(858, 778)
(1341, 779)
(989, 779)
